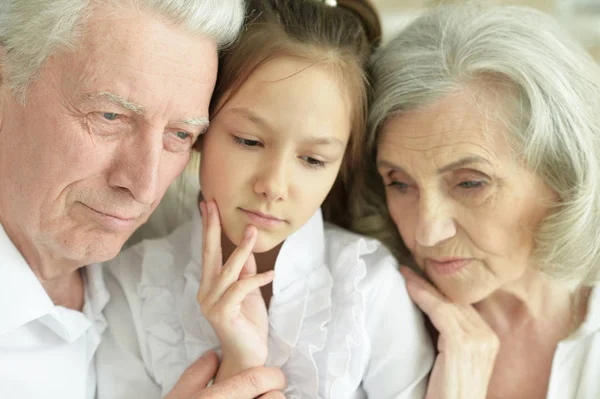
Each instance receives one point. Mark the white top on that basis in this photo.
(576, 365)
(46, 351)
(341, 322)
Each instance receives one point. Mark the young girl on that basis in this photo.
(287, 122)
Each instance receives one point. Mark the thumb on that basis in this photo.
(196, 377)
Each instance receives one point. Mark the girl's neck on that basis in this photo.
(265, 262)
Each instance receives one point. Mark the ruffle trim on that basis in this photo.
(177, 334)
(315, 325)
(348, 270)
(298, 325)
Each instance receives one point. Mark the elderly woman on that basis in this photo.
(485, 134)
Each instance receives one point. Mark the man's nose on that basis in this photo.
(137, 167)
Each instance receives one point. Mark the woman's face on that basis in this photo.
(465, 205)
(273, 151)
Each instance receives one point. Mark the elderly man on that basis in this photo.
(100, 103)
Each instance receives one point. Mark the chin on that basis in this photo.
(264, 243)
(465, 295)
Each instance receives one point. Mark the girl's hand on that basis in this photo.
(230, 297)
(467, 346)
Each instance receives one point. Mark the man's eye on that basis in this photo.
(111, 116)
(183, 135)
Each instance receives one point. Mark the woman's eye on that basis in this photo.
(245, 142)
(313, 162)
(111, 116)
(470, 184)
(398, 185)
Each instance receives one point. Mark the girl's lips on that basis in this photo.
(261, 220)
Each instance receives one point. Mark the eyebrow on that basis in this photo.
(453, 165)
(117, 99)
(195, 122)
(258, 120)
(198, 122)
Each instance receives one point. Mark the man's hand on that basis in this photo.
(249, 384)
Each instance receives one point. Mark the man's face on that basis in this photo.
(105, 130)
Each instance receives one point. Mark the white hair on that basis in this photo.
(30, 30)
(555, 118)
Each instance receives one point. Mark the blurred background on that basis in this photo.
(581, 17)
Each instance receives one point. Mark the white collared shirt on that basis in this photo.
(341, 324)
(46, 351)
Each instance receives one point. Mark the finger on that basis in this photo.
(247, 384)
(241, 289)
(249, 268)
(273, 395)
(410, 275)
(463, 315)
(441, 312)
(230, 272)
(196, 377)
(212, 257)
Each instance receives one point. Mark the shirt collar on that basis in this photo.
(591, 323)
(22, 297)
(301, 252)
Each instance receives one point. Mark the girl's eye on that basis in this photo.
(111, 116)
(313, 162)
(470, 184)
(245, 142)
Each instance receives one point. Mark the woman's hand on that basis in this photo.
(467, 346)
(230, 297)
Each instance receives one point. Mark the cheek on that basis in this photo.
(404, 216)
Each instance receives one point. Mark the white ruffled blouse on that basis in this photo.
(341, 324)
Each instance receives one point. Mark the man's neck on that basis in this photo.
(67, 291)
(64, 284)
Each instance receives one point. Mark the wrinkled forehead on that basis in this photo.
(456, 125)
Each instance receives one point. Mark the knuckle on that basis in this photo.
(254, 380)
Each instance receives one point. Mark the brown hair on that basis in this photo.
(343, 36)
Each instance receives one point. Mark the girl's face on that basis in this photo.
(273, 151)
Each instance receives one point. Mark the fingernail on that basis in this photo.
(248, 233)
(209, 208)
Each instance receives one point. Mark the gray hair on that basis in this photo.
(30, 30)
(555, 123)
